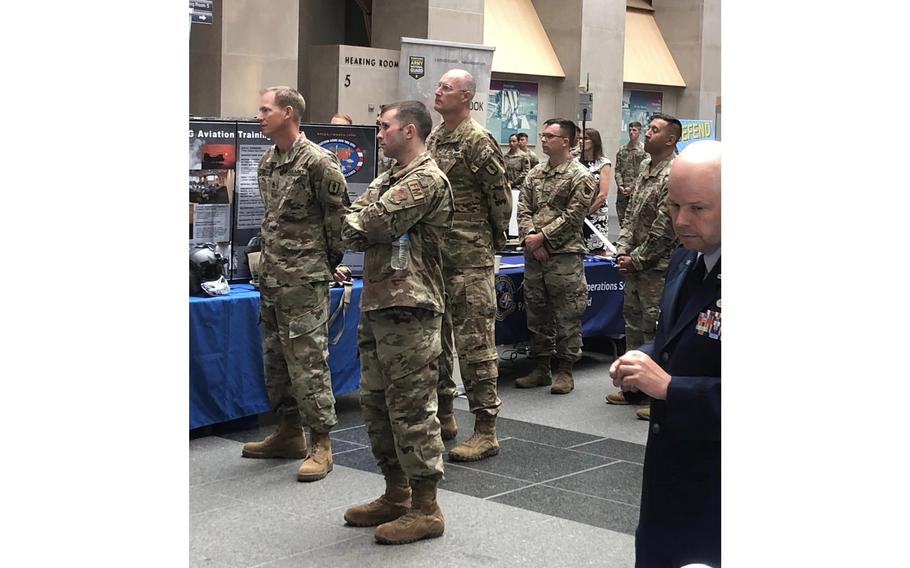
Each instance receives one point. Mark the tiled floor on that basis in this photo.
(564, 490)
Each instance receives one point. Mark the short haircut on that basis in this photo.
(344, 116)
(522, 135)
(596, 145)
(675, 124)
(412, 112)
(288, 97)
(635, 124)
(566, 126)
(515, 135)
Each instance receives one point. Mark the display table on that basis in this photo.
(226, 374)
(602, 318)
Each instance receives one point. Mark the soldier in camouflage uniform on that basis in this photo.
(517, 164)
(523, 144)
(628, 162)
(646, 241)
(305, 197)
(472, 160)
(551, 210)
(400, 325)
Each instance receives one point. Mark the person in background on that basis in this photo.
(517, 163)
(341, 118)
(628, 161)
(600, 167)
(523, 144)
(680, 517)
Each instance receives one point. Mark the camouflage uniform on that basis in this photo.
(628, 163)
(473, 163)
(305, 197)
(533, 157)
(517, 167)
(554, 201)
(401, 319)
(647, 237)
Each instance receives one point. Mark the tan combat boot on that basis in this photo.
(423, 520)
(446, 415)
(395, 502)
(482, 443)
(539, 377)
(563, 383)
(643, 413)
(286, 442)
(319, 462)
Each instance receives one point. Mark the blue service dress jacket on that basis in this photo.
(680, 504)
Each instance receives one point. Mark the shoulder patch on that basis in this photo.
(416, 189)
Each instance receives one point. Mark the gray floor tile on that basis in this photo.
(620, 481)
(574, 507)
(213, 458)
(279, 489)
(533, 462)
(247, 535)
(353, 434)
(361, 459)
(470, 481)
(204, 499)
(618, 449)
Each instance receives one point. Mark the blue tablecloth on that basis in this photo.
(226, 375)
(602, 318)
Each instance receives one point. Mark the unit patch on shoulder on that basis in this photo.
(416, 189)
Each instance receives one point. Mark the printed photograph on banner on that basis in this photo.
(211, 186)
(512, 108)
(638, 106)
(211, 194)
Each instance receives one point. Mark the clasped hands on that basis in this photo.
(636, 371)
(534, 243)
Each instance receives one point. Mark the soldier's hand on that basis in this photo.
(624, 264)
(637, 371)
(342, 274)
(534, 241)
(625, 190)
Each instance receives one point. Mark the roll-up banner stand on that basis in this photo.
(424, 61)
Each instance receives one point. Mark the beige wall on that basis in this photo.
(602, 45)
(321, 22)
(562, 22)
(455, 20)
(259, 48)
(394, 19)
(205, 66)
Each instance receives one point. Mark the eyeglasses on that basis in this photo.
(547, 136)
(446, 88)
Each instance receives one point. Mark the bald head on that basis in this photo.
(694, 196)
(461, 80)
(453, 96)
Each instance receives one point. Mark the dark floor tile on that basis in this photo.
(534, 462)
(580, 508)
(469, 481)
(354, 435)
(558, 437)
(339, 446)
(361, 459)
(620, 481)
(618, 449)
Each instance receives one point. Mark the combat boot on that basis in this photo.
(423, 520)
(395, 502)
(319, 463)
(643, 413)
(286, 442)
(482, 443)
(563, 383)
(539, 377)
(446, 415)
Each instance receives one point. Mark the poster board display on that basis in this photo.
(512, 108)
(638, 106)
(693, 131)
(226, 154)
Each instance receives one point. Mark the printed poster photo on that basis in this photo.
(211, 186)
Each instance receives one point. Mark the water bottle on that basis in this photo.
(401, 252)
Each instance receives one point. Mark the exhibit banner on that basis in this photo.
(424, 61)
(512, 108)
(212, 160)
(638, 106)
(693, 131)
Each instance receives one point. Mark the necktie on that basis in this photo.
(690, 285)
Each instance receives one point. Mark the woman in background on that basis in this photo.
(601, 167)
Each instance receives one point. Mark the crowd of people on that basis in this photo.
(429, 227)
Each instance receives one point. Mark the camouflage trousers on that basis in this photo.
(399, 348)
(469, 327)
(295, 353)
(556, 295)
(622, 203)
(641, 306)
